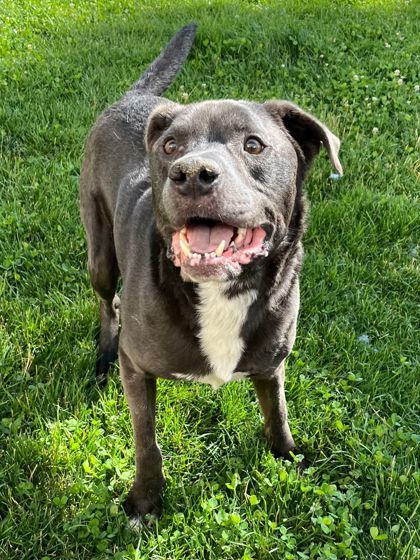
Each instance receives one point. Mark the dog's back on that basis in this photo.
(114, 148)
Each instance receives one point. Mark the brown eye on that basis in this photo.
(253, 146)
(170, 147)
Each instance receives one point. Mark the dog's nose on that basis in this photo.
(194, 177)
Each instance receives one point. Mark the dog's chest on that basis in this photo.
(221, 320)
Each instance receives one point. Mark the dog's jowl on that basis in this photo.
(200, 209)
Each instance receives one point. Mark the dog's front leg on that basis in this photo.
(273, 403)
(140, 391)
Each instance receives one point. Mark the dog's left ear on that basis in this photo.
(159, 120)
(307, 131)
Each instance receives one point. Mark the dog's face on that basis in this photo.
(224, 177)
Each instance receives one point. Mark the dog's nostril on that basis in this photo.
(207, 176)
(178, 176)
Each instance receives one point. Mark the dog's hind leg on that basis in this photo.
(104, 274)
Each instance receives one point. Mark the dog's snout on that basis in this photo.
(194, 177)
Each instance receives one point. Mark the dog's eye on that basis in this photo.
(253, 146)
(170, 146)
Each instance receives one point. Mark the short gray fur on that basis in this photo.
(130, 208)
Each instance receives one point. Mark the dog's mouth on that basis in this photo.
(210, 246)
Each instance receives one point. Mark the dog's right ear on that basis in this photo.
(160, 119)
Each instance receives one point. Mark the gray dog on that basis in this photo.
(200, 210)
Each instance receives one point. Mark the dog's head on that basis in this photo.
(224, 179)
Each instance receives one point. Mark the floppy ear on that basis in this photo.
(160, 119)
(308, 131)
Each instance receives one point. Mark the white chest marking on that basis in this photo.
(221, 320)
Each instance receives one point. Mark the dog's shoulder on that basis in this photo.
(133, 218)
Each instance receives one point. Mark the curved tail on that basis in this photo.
(161, 73)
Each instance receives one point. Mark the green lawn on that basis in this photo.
(66, 453)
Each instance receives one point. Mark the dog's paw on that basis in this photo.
(293, 455)
(143, 507)
(103, 365)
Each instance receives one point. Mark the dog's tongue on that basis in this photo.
(205, 239)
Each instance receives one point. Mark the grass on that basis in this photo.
(66, 454)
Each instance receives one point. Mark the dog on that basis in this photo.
(200, 210)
